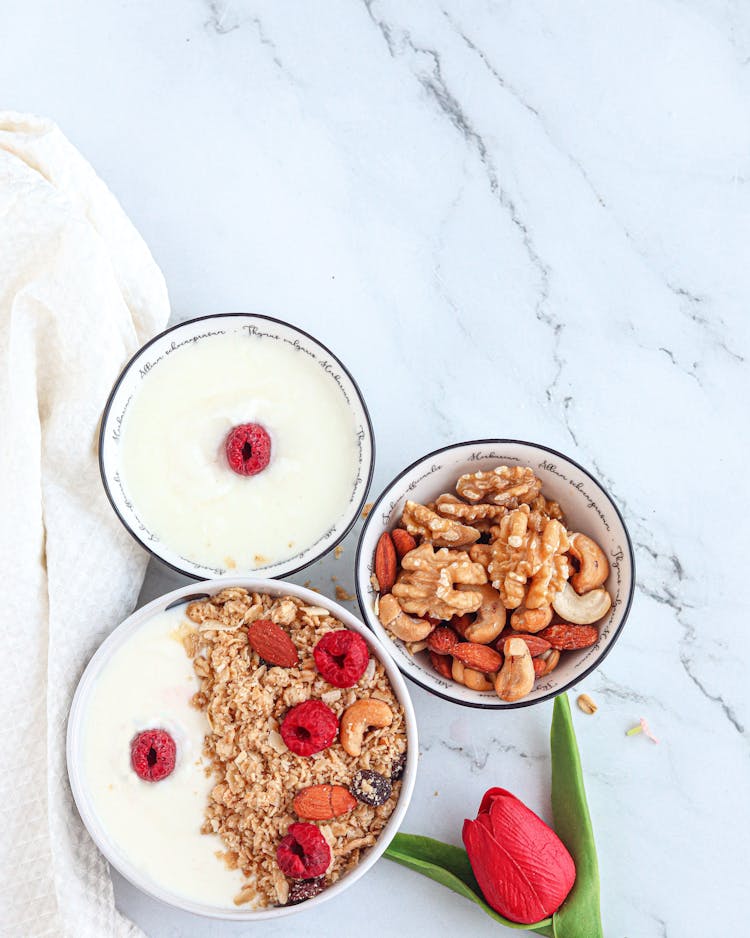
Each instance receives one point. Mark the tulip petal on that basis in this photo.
(490, 795)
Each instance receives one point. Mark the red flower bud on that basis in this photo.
(521, 865)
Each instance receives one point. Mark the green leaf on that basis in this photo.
(579, 916)
(449, 866)
(452, 858)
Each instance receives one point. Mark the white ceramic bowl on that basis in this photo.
(265, 329)
(588, 509)
(82, 697)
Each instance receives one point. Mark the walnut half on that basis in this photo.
(480, 516)
(503, 485)
(521, 555)
(422, 522)
(426, 584)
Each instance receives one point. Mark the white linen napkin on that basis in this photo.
(79, 292)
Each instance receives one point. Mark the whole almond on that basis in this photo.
(322, 802)
(478, 657)
(461, 623)
(565, 637)
(272, 643)
(442, 640)
(385, 562)
(537, 645)
(442, 664)
(403, 542)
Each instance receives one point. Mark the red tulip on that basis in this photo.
(521, 865)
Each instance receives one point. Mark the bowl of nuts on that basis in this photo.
(498, 573)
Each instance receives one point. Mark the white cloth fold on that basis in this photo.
(79, 292)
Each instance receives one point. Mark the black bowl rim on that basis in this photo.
(477, 705)
(213, 316)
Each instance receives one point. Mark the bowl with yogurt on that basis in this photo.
(205, 823)
(236, 444)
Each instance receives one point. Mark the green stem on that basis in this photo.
(579, 915)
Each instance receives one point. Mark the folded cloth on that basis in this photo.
(79, 292)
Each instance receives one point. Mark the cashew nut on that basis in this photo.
(490, 619)
(403, 626)
(516, 677)
(593, 564)
(475, 680)
(359, 717)
(415, 647)
(531, 620)
(581, 610)
(470, 678)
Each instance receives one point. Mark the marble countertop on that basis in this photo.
(521, 219)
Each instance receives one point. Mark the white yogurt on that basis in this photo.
(175, 470)
(147, 684)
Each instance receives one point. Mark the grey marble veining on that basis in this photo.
(508, 219)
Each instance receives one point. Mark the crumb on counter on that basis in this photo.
(587, 704)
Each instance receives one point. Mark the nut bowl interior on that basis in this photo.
(587, 508)
(75, 747)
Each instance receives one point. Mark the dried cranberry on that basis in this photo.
(309, 727)
(152, 755)
(302, 889)
(341, 657)
(397, 769)
(304, 852)
(370, 787)
(248, 449)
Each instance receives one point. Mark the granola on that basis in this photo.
(257, 776)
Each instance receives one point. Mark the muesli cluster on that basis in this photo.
(490, 582)
(307, 741)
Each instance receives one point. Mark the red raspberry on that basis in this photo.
(341, 657)
(248, 449)
(304, 852)
(308, 728)
(152, 755)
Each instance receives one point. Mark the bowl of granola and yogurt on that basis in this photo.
(242, 752)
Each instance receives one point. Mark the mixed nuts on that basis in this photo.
(490, 583)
